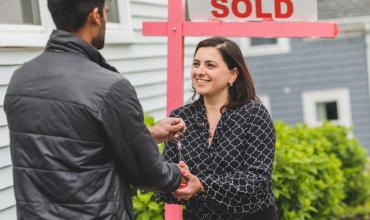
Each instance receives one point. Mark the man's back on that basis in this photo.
(70, 142)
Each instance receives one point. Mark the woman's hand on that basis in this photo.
(193, 186)
(183, 168)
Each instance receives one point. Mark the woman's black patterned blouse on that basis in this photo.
(235, 169)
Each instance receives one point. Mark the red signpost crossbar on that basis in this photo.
(250, 29)
(177, 28)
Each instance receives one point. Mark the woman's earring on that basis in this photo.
(230, 84)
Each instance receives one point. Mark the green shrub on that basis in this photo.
(308, 183)
(353, 157)
(318, 172)
(361, 212)
(146, 207)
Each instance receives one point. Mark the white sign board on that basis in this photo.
(252, 10)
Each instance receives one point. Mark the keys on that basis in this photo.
(179, 148)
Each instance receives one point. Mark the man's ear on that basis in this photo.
(95, 16)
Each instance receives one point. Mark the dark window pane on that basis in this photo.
(327, 111)
(19, 12)
(331, 111)
(263, 41)
(113, 16)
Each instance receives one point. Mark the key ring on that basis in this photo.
(179, 148)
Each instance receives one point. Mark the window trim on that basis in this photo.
(121, 32)
(339, 95)
(12, 35)
(282, 46)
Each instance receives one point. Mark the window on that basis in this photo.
(255, 42)
(327, 111)
(24, 23)
(20, 12)
(327, 105)
(28, 23)
(119, 28)
(264, 46)
(113, 12)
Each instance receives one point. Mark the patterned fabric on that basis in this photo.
(235, 169)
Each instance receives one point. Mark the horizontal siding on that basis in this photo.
(4, 134)
(8, 213)
(16, 56)
(5, 157)
(6, 177)
(138, 51)
(2, 94)
(151, 2)
(148, 11)
(7, 198)
(6, 73)
(3, 121)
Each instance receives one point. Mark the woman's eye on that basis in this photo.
(195, 64)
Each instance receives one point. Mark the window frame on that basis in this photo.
(282, 46)
(310, 100)
(121, 32)
(25, 35)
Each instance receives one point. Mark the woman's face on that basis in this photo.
(210, 74)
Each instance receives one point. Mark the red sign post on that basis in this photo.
(176, 28)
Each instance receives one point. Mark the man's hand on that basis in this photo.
(166, 129)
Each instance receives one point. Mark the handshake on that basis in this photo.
(190, 185)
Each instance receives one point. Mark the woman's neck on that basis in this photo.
(215, 103)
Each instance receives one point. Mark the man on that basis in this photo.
(77, 135)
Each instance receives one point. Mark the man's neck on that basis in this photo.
(86, 36)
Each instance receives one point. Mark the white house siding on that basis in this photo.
(143, 61)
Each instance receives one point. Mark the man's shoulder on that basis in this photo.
(67, 78)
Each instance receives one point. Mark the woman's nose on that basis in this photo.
(199, 70)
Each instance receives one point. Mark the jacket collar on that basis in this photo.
(68, 42)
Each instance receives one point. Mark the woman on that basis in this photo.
(228, 146)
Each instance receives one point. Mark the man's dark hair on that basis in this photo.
(71, 15)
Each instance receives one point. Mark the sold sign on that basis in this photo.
(253, 10)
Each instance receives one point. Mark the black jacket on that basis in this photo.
(77, 137)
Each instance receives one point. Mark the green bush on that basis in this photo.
(361, 212)
(308, 183)
(146, 207)
(353, 157)
(318, 172)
